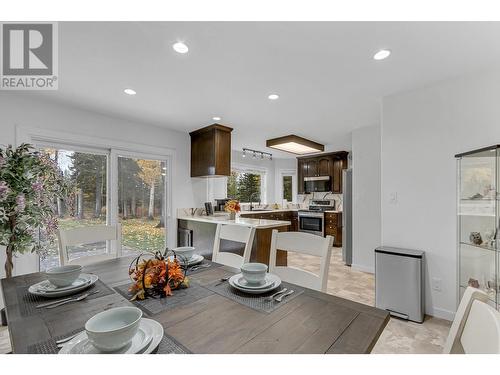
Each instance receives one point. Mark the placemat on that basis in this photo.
(27, 302)
(153, 306)
(168, 345)
(205, 265)
(257, 302)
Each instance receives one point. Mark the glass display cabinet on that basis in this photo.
(478, 221)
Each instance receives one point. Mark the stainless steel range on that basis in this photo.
(312, 220)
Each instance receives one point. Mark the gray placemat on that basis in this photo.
(257, 302)
(203, 266)
(180, 297)
(27, 302)
(168, 345)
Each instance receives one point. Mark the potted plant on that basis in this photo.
(30, 185)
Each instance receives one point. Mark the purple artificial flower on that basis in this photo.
(20, 203)
(37, 186)
(4, 190)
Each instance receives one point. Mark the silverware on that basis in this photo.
(271, 297)
(62, 300)
(77, 299)
(194, 268)
(222, 281)
(280, 298)
(62, 341)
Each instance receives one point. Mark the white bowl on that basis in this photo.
(112, 329)
(184, 253)
(254, 273)
(63, 276)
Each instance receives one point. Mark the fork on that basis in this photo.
(62, 300)
(271, 297)
(280, 298)
(78, 299)
(222, 280)
(194, 268)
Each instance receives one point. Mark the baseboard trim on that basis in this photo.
(360, 267)
(441, 313)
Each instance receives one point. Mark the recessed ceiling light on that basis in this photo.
(180, 47)
(129, 92)
(382, 54)
(273, 97)
(216, 118)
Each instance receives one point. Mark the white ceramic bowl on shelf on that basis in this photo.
(63, 276)
(113, 329)
(254, 273)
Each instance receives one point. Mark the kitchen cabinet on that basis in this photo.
(331, 164)
(333, 227)
(211, 151)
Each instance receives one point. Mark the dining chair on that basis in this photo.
(453, 344)
(236, 233)
(481, 334)
(112, 234)
(303, 243)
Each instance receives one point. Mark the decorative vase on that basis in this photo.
(232, 215)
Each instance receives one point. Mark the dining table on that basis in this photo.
(204, 318)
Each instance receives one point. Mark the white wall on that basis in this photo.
(30, 111)
(366, 196)
(422, 130)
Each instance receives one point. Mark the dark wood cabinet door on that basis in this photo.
(301, 170)
(325, 166)
(312, 168)
(337, 176)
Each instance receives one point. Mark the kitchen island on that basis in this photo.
(202, 229)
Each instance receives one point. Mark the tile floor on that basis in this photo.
(399, 336)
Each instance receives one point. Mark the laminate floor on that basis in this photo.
(399, 336)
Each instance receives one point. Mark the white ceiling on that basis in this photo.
(324, 72)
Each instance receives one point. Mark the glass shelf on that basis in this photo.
(490, 248)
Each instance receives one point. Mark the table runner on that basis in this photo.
(255, 301)
(27, 302)
(168, 345)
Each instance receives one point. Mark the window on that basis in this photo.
(246, 185)
(287, 188)
(86, 205)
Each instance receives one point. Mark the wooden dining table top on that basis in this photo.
(312, 322)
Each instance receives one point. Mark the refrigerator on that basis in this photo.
(347, 216)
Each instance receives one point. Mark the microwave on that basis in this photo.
(317, 184)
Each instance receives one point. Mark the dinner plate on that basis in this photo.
(276, 282)
(147, 338)
(240, 281)
(41, 289)
(195, 259)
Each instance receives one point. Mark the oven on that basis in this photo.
(312, 222)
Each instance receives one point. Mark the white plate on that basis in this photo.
(276, 282)
(240, 281)
(66, 291)
(145, 341)
(195, 259)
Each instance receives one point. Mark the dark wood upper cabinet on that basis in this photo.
(330, 164)
(211, 151)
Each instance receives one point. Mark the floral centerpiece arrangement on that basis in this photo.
(157, 276)
(232, 206)
(30, 185)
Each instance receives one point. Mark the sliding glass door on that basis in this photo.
(86, 205)
(109, 187)
(141, 204)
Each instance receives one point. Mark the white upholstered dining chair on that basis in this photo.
(303, 243)
(89, 235)
(236, 233)
(476, 327)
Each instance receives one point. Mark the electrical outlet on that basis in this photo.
(393, 198)
(436, 284)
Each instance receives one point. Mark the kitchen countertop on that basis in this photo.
(254, 223)
(282, 210)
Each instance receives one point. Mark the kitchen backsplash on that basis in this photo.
(306, 198)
